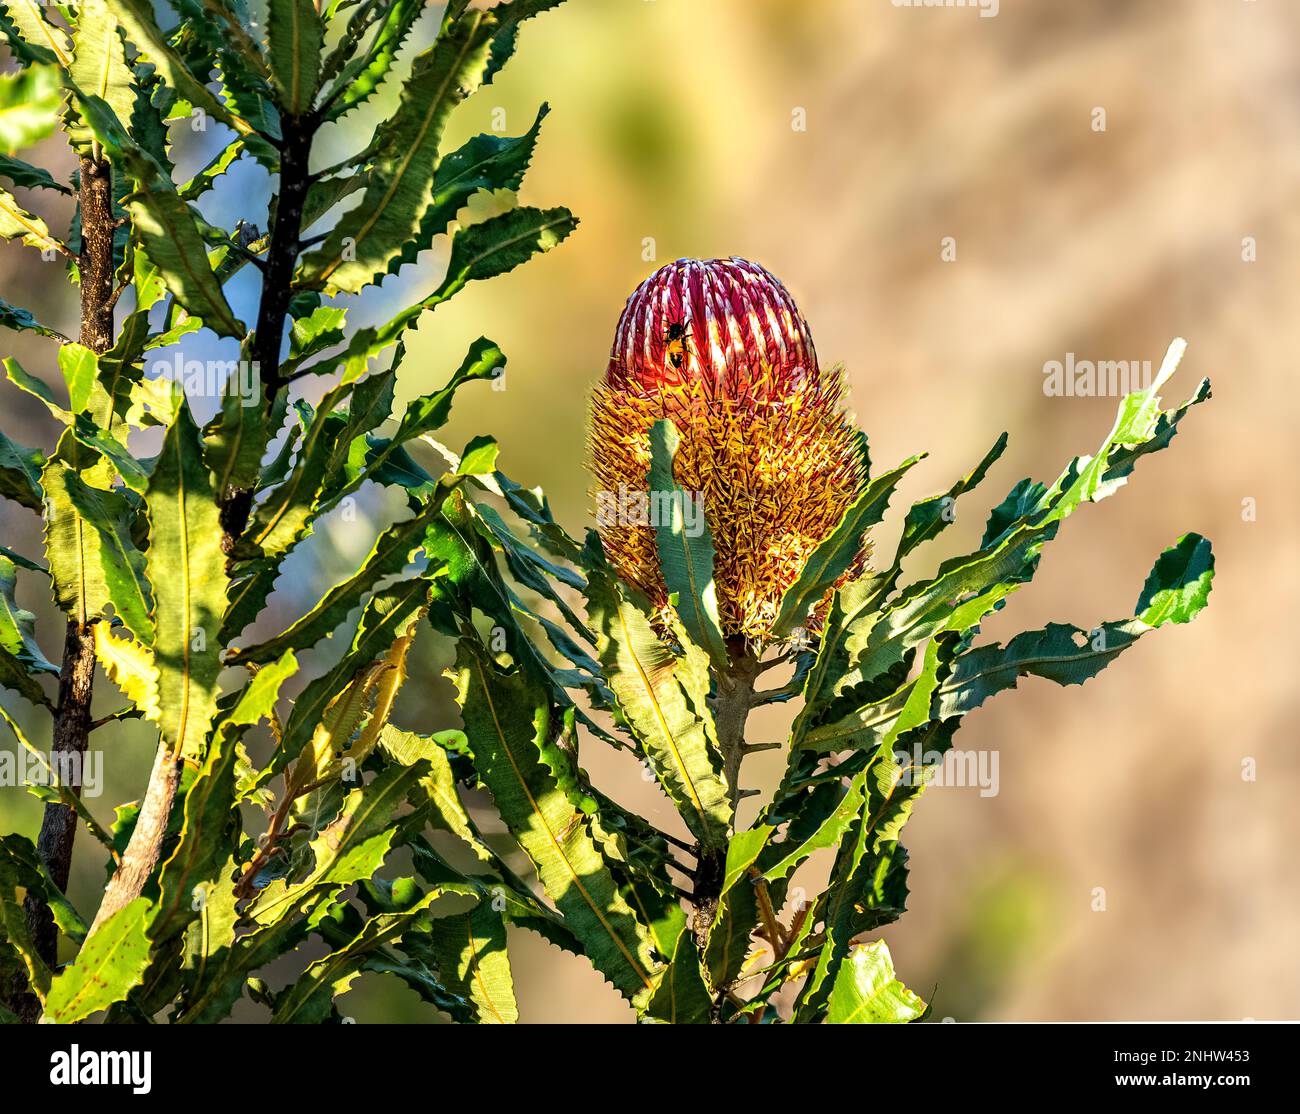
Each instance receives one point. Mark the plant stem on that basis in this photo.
(77, 671)
(282, 255)
(145, 848)
(731, 707)
(277, 292)
(96, 261)
(145, 845)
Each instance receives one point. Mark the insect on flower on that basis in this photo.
(677, 338)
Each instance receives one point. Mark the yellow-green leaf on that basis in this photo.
(186, 569)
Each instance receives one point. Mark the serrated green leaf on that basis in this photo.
(18, 628)
(32, 37)
(473, 962)
(74, 547)
(248, 94)
(235, 441)
(398, 187)
(980, 581)
(395, 548)
(486, 162)
(499, 244)
(484, 250)
(1178, 587)
(1176, 591)
(653, 687)
(387, 616)
(204, 845)
(137, 18)
(37, 388)
(736, 916)
(512, 894)
(329, 467)
(133, 472)
(30, 177)
(439, 785)
(79, 368)
(352, 847)
(99, 64)
(17, 223)
(1021, 501)
(880, 722)
(866, 991)
(18, 677)
(280, 522)
(110, 964)
(23, 562)
(506, 716)
(294, 37)
(131, 667)
(122, 386)
(868, 882)
(212, 172)
(828, 832)
(479, 458)
(364, 72)
(20, 473)
(222, 984)
(15, 937)
(682, 997)
(308, 1000)
(931, 516)
(21, 321)
(313, 333)
(849, 617)
(34, 875)
(430, 412)
(186, 569)
(535, 572)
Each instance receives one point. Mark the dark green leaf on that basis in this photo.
(507, 720)
(20, 473)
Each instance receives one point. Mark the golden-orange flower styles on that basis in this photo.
(720, 347)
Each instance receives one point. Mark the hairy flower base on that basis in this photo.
(776, 477)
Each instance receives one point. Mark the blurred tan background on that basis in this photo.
(673, 120)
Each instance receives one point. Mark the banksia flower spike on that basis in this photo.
(720, 348)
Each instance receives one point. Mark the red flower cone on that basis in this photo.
(720, 347)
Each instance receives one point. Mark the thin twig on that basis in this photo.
(77, 671)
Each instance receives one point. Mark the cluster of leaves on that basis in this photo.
(170, 560)
(891, 673)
